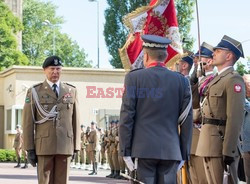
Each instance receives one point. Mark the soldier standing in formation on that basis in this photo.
(222, 114)
(83, 148)
(93, 140)
(108, 138)
(51, 128)
(18, 145)
(103, 151)
(113, 147)
(151, 120)
(197, 171)
(120, 159)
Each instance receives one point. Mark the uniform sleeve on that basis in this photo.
(186, 127)
(235, 96)
(28, 124)
(76, 124)
(95, 140)
(127, 115)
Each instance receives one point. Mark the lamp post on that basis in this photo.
(48, 23)
(98, 53)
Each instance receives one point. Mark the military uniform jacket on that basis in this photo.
(152, 101)
(196, 112)
(52, 137)
(18, 141)
(225, 101)
(83, 141)
(93, 140)
(196, 106)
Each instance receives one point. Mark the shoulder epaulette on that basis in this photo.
(70, 85)
(38, 84)
(235, 72)
(136, 69)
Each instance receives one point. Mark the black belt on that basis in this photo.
(91, 142)
(214, 122)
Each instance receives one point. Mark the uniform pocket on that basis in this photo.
(215, 96)
(70, 134)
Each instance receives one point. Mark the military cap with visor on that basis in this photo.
(231, 44)
(206, 50)
(155, 42)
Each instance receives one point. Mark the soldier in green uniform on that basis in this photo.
(51, 128)
(222, 114)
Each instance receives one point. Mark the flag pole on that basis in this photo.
(198, 28)
(200, 64)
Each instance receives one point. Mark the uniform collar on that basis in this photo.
(224, 69)
(155, 63)
(51, 83)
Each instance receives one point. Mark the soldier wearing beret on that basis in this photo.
(51, 128)
(222, 114)
(155, 102)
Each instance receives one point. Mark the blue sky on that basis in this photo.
(217, 18)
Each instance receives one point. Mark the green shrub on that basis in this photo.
(8, 155)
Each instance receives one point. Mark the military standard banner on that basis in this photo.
(158, 18)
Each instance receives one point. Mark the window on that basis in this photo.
(18, 117)
(13, 117)
(8, 127)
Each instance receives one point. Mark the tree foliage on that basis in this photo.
(9, 26)
(241, 68)
(40, 25)
(116, 33)
(184, 16)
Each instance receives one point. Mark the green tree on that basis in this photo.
(9, 26)
(40, 24)
(184, 15)
(241, 68)
(116, 33)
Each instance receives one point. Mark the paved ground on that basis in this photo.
(11, 175)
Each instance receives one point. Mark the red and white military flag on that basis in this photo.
(158, 18)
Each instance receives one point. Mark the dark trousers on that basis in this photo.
(154, 171)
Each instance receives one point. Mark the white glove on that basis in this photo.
(128, 161)
(182, 162)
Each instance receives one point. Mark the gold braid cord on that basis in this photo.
(123, 53)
